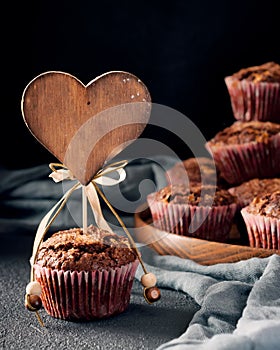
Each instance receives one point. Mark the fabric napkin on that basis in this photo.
(239, 302)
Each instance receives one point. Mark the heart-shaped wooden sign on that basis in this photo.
(85, 125)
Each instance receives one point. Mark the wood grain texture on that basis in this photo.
(201, 251)
(85, 125)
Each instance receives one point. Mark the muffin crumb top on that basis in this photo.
(267, 205)
(207, 195)
(250, 189)
(267, 72)
(194, 170)
(75, 250)
(245, 132)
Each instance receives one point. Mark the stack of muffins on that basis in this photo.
(243, 178)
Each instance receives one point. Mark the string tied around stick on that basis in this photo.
(92, 192)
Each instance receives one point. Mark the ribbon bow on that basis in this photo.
(91, 190)
(148, 280)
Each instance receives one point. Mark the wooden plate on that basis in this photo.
(201, 251)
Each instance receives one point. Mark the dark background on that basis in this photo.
(181, 50)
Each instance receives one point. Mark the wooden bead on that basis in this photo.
(148, 280)
(152, 294)
(34, 288)
(33, 302)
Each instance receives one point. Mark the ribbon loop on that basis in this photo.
(60, 174)
(63, 173)
(108, 181)
(114, 167)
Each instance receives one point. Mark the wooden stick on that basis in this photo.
(84, 208)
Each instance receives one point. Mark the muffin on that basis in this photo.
(85, 276)
(202, 211)
(245, 193)
(254, 92)
(262, 219)
(247, 150)
(194, 170)
(248, 190)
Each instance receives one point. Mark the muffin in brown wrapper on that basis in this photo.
(204, 212)
(245, 193)
(255, 92)
(85, 276)
(247, 150)
(72, 295)
(262, 220)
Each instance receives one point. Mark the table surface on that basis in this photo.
(141, 326)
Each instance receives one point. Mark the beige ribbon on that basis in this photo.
(91, 191)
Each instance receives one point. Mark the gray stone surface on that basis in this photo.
(141, 326)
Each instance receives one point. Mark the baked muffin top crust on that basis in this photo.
(245, 132)
(193, 170)
(248, 190)
(267, 205)
(208, 195)
(95, 250)
(267, 72)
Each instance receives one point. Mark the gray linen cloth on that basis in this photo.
(239, 302)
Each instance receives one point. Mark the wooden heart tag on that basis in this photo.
(85, 125)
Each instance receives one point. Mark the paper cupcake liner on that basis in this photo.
(254, 101)
(240, 163)
(210, 223)
(263, 231)
(72, 295)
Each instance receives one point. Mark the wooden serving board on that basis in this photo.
(201, 251)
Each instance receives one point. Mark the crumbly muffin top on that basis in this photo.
(193, 169)
(244, 132)
(95, 250)
(267, 72)
(205, 163)
(248, 190)
(267, 205)
(208, 195)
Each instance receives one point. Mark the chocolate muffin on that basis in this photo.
(85, 275)
(254, 92)
(74, 250)
(247, 150)
(204, 212)
(195, 170)
(262, 219)
(248, 190)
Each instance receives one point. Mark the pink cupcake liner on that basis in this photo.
(210, 223)
(263, 231)
(240, 163)
(72, 295)
(254, 101)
